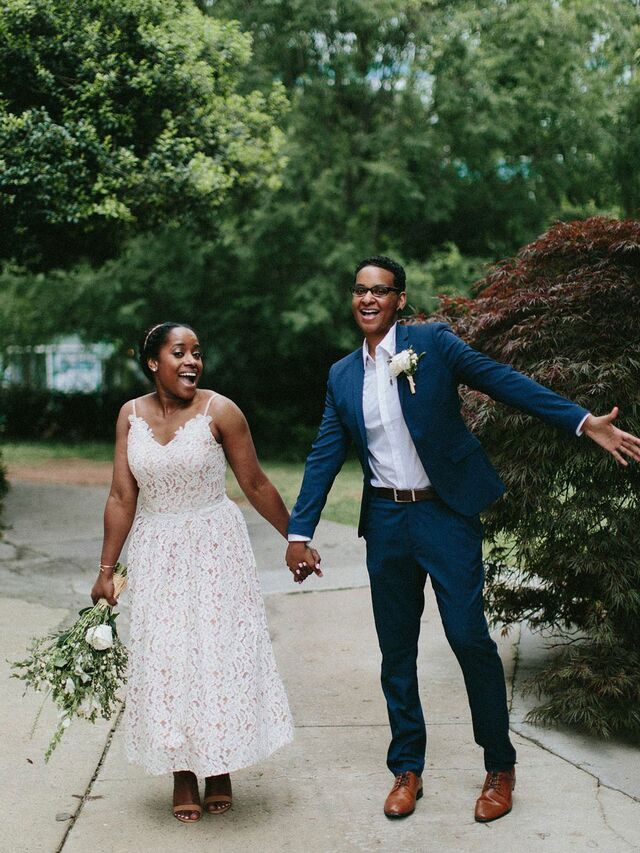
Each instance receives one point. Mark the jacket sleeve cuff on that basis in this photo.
(581, 424)
(297, 537)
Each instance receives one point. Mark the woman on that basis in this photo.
(204, 695)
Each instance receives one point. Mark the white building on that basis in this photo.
(67, 364)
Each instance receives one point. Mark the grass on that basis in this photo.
(35, 452)
(343, 503)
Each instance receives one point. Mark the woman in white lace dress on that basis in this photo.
(204, 695)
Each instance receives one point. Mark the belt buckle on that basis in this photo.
(399, 500)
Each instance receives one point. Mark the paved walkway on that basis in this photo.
(325, 791)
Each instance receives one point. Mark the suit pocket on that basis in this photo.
(468, 444)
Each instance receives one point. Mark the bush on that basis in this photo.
(4, 485)
(33, 415)
(30, 415)
(563, 541)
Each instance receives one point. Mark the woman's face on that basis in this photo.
(178, 366)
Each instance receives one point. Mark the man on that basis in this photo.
(426, 478)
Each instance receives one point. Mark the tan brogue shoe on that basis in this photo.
(401, 801)
(495, 799)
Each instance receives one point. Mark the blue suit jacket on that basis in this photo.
(453, 458)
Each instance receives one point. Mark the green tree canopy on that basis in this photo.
(118, 117)
(419, 126)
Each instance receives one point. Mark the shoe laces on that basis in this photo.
(494, 781)
(401, 780)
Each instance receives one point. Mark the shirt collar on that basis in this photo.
(387, 344)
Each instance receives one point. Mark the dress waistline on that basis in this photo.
(199, 511)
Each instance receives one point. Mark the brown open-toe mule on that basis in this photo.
(221, 799)
(187, 807)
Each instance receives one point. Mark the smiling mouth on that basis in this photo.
(189, 377)
(368, 312)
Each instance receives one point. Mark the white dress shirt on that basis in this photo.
(393, 457)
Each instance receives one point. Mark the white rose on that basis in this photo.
(88, 706)
(69, 686)
(100, 637)
(400, 363)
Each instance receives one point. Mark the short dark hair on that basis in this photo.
(152, 340)
(385, 263)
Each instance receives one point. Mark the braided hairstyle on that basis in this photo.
(385, 263)
(151, 343)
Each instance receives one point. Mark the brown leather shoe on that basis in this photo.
(401, 801)
(495, 799)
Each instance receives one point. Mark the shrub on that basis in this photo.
(34, 415)
(4, 485)
(564, 540)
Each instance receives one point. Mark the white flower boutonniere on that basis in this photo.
(405, 362)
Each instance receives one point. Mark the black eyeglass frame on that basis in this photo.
(386, 288)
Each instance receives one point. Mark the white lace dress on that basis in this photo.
(204, 692)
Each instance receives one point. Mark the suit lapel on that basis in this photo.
(402, 342)
(358, 387)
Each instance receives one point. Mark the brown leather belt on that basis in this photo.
(406, 496)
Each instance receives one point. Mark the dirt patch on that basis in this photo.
(75, 472)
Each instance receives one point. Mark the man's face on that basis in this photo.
(376, 315)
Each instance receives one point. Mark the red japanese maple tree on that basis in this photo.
(564, 542)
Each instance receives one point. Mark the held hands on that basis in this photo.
(103, 588)
(614, 440)
(302, 561)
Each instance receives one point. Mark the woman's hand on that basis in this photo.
(302, 561)
(103, 588)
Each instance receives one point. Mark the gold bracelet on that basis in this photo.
(103, 567)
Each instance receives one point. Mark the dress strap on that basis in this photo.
(134, 409)
(209, 403)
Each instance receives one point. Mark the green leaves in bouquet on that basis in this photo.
(81, 668)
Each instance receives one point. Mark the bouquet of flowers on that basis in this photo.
(81, 668)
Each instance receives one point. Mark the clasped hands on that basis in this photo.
(302, 561)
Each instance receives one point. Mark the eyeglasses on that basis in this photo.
(380, 291)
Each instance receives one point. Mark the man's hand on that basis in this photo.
(302, 561)
(617, 442)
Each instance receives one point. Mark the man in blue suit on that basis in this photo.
(426, 478)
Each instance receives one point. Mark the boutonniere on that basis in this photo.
(405, 362)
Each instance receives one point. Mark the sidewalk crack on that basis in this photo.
(516, 662)
(605, 820)
(87, 794)
(601, 784)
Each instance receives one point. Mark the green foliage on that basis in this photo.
(30, 414)
(446, 272)
(442, 133)
(116, 117)
(416, 127)
(565, 311)
(4, 485)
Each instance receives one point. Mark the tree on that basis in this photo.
(563, 540)
(116, 118)
(423, 126)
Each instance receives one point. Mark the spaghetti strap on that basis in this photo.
(134, 409)
(209, 403)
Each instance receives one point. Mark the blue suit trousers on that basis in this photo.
(405, 543)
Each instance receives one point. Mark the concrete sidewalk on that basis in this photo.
(325, 791)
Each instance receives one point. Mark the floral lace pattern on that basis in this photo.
(204, 692)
